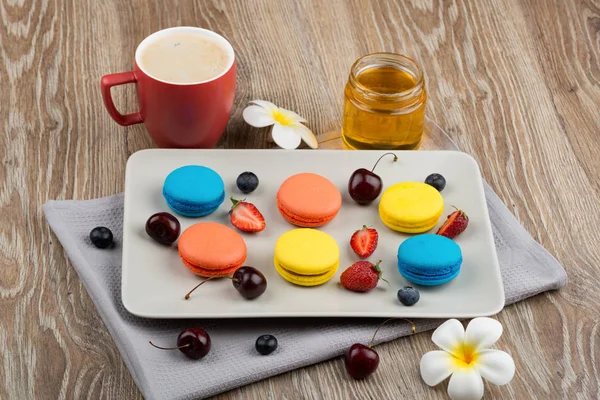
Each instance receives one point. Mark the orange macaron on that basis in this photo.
(210, 249)
(308, 200)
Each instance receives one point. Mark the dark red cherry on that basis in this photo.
(365, 186)
(193, 342)
(163, 227)
(361, 361)
(250, 282)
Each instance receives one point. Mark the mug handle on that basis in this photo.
(109, 81)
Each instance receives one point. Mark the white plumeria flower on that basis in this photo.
(467, 357)
(287, 129)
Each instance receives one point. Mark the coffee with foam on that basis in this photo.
(184, 57)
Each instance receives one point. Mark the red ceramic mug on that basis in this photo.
(181, 115)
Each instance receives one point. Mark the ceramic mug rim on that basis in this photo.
(189, 29)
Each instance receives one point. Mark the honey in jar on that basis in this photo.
(384, 103)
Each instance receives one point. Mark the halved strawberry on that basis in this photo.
(364, 241)
(456, 224)
(246, 217)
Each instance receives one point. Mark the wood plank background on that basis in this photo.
(515, 83)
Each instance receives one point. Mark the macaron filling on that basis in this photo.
(193, 209)
(206, 272)
(211, 267)
(288, 270)
(410, 227)
(306, 280)
(304, 220)
(429, 278)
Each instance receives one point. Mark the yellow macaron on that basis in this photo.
(411, 207)
(306, 257)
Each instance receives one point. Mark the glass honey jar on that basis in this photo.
(384, 103)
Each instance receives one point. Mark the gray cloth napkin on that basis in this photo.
(527, 269)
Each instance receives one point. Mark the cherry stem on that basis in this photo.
(412, 325)
(169, 348)
(187, 296)
(395, 159)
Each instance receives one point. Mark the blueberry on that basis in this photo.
(101, 237)
(247, 182)
(408, 295)
(437, 181)
(266, 344)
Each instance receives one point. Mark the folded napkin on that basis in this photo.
(527, 269)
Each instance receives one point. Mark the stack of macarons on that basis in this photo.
(411, 207)
(308, 200)
(306, 257)
(429, 259)
(210, 249)
(194, 190)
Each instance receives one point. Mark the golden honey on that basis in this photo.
(384, 103)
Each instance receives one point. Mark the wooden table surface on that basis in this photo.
(514, 83)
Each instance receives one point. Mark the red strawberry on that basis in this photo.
(364, 241)
(246, 217)
(455, 224)
(362, 276)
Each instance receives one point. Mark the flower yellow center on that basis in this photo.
(282, 119)
(465, 356)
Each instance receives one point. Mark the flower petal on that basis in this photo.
(495, 366)
(257, 116)
(306, 134)
(483, 332)
(286, 136)
(449, 336)
(465, 384)
(291, 115)
(436, 366)
(267, 105)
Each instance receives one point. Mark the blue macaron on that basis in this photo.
(429, 259)
(194, 190)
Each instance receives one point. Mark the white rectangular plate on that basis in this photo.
(155, 281)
